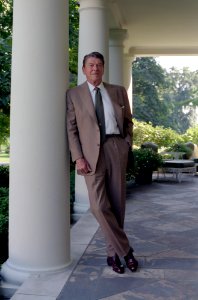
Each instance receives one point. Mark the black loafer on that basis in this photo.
(131, 262)
(115, 263)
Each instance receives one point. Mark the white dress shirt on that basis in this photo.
(110, 120)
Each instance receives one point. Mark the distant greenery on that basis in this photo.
(146, 132)
(181, 147)
(167, 99)
(73, 40)
(4, 128)
(5, 67)
(163, 137)
(148, 80)
(191, 135)
(4, 157)
(5, 53)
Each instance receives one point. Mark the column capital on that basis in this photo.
(129, 57)
(117, 36)
(132, 53)
(90, 4)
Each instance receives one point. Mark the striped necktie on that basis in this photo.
(100, 114)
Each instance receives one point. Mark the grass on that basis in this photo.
(4, 157)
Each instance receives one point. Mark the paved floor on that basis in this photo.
(162, 225)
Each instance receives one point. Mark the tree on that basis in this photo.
(164, 98)
(6, 7)
(182, 95)
(148, 81)
(5, 74)
(5, 67)
(73, 40)
(6, 11)
(4, 128)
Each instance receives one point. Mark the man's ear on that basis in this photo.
(83, 70)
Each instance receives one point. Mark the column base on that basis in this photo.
(16, 275)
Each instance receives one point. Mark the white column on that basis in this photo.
(116, 52)
(93, 32)
(39, 221)
(93, 36)
(128, 77)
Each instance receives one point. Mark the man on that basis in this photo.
(99, 130)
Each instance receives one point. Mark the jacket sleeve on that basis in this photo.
(72, 128)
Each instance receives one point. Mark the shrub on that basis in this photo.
(191, 135)
(4, 210)
(4, 176)
(146, 158)
(181, 147)
(4, 128)
(162, 137)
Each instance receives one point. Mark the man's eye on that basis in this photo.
(97, 66)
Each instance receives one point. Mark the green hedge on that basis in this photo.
(146, 132)
(163, 137)
(4, 194)
(4, 176)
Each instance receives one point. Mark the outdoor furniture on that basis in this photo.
(173, 154)
(150, 145)
(177, 167)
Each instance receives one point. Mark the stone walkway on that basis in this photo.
(162, 224)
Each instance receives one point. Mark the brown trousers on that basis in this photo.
(107, 193)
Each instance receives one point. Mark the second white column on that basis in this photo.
(93, 36)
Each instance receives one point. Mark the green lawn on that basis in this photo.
(4, 157)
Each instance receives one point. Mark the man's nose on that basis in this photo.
(95, 67)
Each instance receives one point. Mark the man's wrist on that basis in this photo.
(79, 159)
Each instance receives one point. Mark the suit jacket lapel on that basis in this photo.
(87, 100)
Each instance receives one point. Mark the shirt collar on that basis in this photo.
(92, 87)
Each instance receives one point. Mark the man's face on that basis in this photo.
(93, 70)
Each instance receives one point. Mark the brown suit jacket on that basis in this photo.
(82, 127)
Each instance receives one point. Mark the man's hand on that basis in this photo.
(82, 166)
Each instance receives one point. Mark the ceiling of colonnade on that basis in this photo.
(157, 27)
